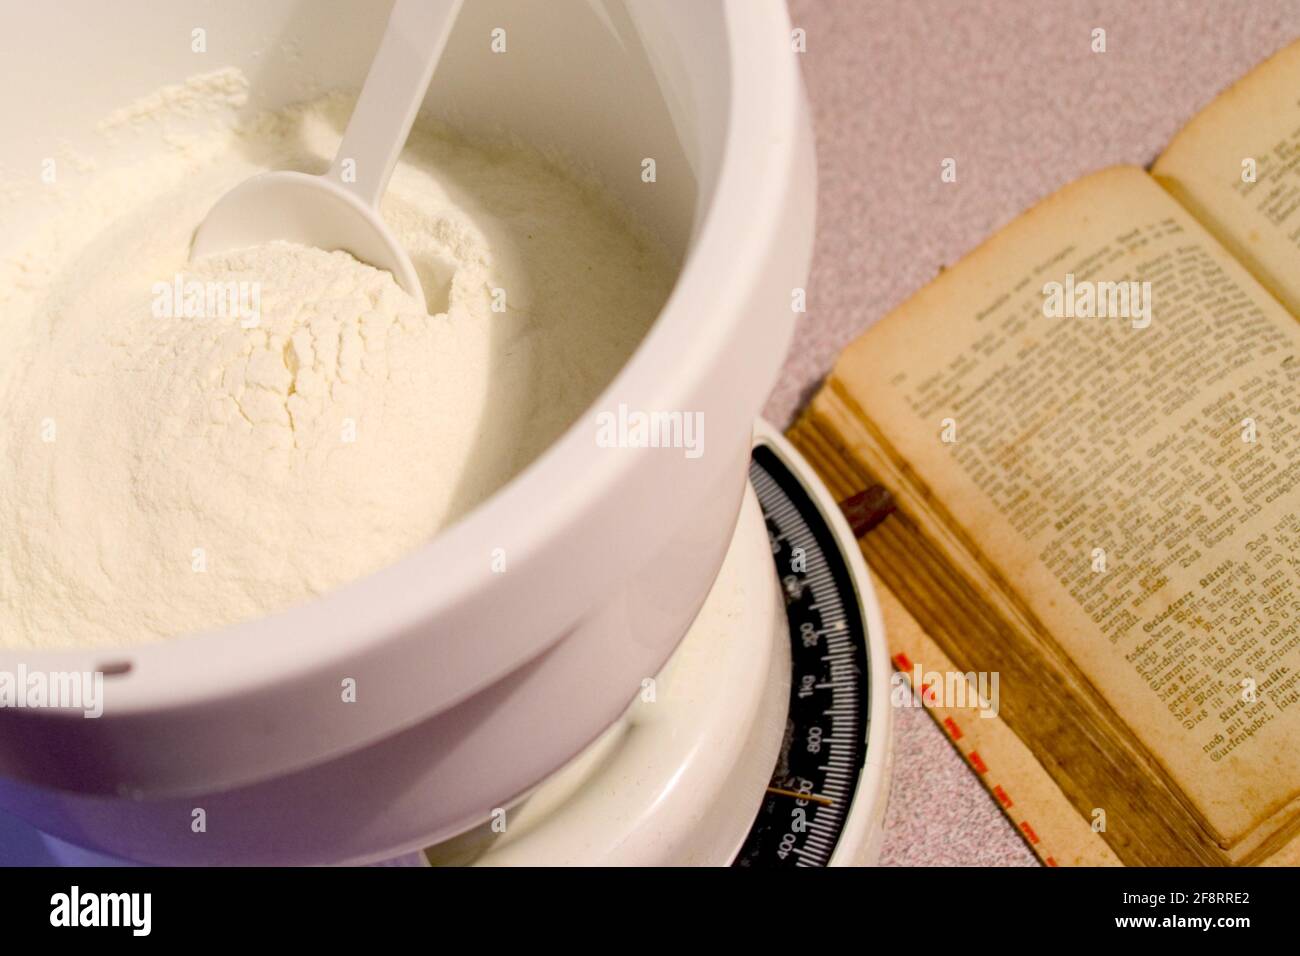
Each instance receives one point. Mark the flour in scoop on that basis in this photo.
(187, 445)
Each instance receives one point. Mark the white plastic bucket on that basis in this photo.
(477, 684)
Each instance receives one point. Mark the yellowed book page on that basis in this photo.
(1134, 476)
(1023, 790)
(1236, 166)
(1288, 855)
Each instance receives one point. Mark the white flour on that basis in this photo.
(162, 473)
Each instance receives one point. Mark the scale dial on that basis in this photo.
(818, 783)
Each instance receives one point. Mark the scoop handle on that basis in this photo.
(395, 86)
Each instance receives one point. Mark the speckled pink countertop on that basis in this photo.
(1013, 92)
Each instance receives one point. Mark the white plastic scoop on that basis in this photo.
(340, 209)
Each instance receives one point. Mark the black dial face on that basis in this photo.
(807, 800)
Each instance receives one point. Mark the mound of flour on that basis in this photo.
(188, 445)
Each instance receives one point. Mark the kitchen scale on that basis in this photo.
(765, 740)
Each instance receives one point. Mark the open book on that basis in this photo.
(1074, 458)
